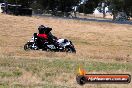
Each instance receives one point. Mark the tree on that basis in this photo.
(1, 1)
(88, 6)
(58, 5)
(128, 7)
(118, 6)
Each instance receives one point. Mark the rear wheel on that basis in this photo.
(26, 47)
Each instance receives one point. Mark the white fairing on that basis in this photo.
(67, 43)
(51, 46)
(62, 43)
(32, 40)
(0, 8)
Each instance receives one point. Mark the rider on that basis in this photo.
(44, 32)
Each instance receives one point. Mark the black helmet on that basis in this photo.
(41, 29)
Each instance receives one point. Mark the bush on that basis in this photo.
(88, 7)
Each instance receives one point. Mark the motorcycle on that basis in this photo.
(59, 45)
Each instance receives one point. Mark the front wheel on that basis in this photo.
(70, 50)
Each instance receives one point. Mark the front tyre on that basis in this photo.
(70, 50)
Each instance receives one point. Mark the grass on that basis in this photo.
(101, 48)
(10, 74)
(55, 70)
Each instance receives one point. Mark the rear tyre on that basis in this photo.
(26, 47)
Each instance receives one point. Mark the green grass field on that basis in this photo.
(52, 72)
